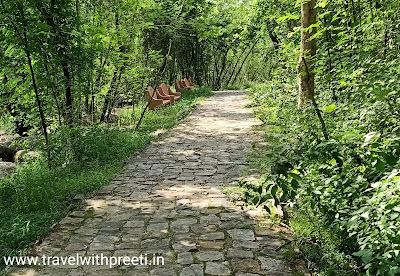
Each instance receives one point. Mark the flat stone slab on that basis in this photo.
(246, 265)
(205, 256)
(213, 268)
(241, 254)
(242, 234)
(193, 270)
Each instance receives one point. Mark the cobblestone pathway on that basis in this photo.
(168, 201)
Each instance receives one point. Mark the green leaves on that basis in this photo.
(43, 27)
(274, 190)
(288, 16)
(330, 108)
(366, 255)
(379, 165)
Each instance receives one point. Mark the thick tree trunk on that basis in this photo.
(308, 50)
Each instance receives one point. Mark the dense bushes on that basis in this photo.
(346, 188)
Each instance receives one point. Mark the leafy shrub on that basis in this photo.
(348, 185)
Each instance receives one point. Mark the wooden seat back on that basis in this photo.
(162, 90)
(150, 94)
(186, 82)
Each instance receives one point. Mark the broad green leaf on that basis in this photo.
(330, 108)
(365, 255)
(295, 176)
(274, 190)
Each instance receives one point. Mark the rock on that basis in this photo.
(205, 256)
(157, 229)
(162, 272)
(155, 246)
(24, 156)
(212, 236)
(217, 269)
(270, 265)
(193, 270)
(7, 153)
(182, 225)
(200, 229)
(231, 216)
(6, 168)
(242, 234)
(246, 265)
(246, 244)
(184, 246)
(210, 219)
(134, 224)
(240, 254)
(185, 258)
(216, 245)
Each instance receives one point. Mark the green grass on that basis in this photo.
(35, 197)
(321, 246)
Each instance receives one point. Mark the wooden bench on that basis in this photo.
(191, 83)
(156, 100)
(179, 87)
(165, 90)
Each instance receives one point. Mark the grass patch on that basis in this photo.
(35, 197)
(321, 246)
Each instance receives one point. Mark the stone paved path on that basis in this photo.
(168, 201)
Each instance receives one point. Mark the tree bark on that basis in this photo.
(220, 73)
(308, 50)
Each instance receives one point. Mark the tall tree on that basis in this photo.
(308, 50)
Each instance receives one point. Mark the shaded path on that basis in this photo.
(168, 200)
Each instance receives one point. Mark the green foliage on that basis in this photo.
(349, 183)
(343, 192)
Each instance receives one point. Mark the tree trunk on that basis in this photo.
(68, 94)
(108, 96)
(114, 97)
(236, 64)
(220, 73)
(308, 50)
(272, 35)
(59, 41)
(244, 61)
(39, 103)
